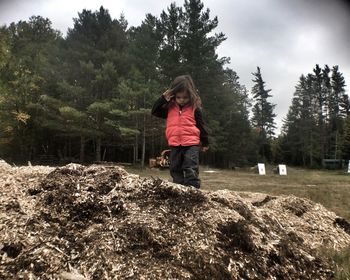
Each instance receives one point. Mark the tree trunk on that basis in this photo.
(152, 145)
(311, 161)
(143, 142)
(310, 150)
(322, 132)
(136, 149)
(70, 148)
(104, 154)
(136, 145)
(134, 154)
(98, 149)
(82, 149)
(336, 144)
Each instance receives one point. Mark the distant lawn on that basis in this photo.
(330, 188)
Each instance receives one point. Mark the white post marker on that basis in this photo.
(349, 167)
(261, 168)
(282, 169)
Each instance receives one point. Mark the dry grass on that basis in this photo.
(342, 261)
(330, 188)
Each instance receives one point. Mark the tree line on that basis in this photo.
(87, 96)
(317, 125)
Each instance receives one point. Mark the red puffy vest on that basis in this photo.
(181, 129)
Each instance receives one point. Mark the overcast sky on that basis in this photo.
(286, 38)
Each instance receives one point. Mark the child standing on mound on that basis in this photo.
(185, 129)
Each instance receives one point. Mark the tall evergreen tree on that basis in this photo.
(339, 110)
(143, 83)
(263, 115)
(319, 107)
(90, 93)
(96, 60)
(145, 42)
(30, 73)
(341, 99)
(198, 49)
(313, 129)
(300, 125)
(239, 148)
(190, 48)
(198, 44)
(171, 29)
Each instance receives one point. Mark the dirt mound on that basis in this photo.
(99, 222)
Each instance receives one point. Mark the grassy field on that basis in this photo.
(330, 188)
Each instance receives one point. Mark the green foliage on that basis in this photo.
(314, 127)
(129, 133)
(189, 44)
(71, 113)
(88, 96)
(263, 116)
(145, 42)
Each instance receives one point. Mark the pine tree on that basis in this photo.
(144, 48)
(239, 147)
(337, 110)
(313, 128)
(170, 27)
(145, 78)
(96, 60)
(29, 73)
(341, 99)
(299, 140)
(190, 48)
(263, 116)
(198, 48)
(319, 107)
(327, 92)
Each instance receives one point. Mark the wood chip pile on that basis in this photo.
(99, 222)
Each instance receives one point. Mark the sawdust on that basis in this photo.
(99, 222)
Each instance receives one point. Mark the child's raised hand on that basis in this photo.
(168, 94)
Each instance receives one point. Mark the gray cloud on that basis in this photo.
(286, 39)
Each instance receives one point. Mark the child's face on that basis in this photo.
(182, 98)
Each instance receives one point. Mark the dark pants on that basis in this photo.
(184, 162)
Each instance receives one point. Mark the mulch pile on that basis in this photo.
(99, 222)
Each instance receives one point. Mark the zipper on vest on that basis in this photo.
(180, 110)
